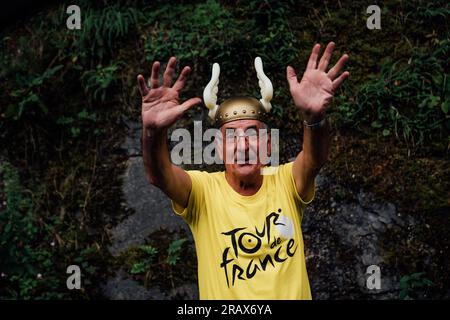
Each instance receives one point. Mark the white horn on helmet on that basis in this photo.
(265, 84)
(210, 92)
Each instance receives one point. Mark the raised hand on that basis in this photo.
(315, 91)
(161, 104)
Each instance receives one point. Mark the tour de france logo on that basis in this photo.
(271, 244)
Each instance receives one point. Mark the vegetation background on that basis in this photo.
(65, 94)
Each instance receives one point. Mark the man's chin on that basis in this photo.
(246, 169)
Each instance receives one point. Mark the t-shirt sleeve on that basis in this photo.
(286, 177)
(196, 201)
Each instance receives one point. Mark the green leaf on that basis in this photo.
(138, 268)
(176, 245)
(174, 251)
(75, 131)
(149, 250)
(376, 124)
(445, 106)
(428, 282)
(434, 101)
(64, 120)
(403, 293)
(12, 111)
(416, 275)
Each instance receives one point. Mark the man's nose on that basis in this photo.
(242, 142)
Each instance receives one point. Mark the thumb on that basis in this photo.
(189, 104)
(291, 76)
(143, 89)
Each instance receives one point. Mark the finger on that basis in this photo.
(312, 62)
(337, 67)
(168, 74)
(337, 83)
(291, 76)
(326, 57)
(189, 104)
(154, 79)
(141, 85)
(179, 84)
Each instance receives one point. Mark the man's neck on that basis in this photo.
(247, 187)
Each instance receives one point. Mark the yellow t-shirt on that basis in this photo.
(248, 247)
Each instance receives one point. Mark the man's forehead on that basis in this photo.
(242, 124)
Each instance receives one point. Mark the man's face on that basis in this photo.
(240, 147)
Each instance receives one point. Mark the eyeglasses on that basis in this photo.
(231, 135)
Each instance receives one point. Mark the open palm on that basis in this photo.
(316, 89)
(161, 104)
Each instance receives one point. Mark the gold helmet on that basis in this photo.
(238, 108)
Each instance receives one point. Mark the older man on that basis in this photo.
(246, 225)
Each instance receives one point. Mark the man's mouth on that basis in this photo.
(248, 157)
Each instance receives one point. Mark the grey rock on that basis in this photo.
(152, 211)
(185, 292)
(151, 206)
(132, 142)
(122, 287)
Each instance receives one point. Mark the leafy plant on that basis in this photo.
(174, 250)
(143, 265)
(410, 284)
(149, 254)
(272, 34)
(193, 32)
(431, 11)
(103, 28)
(97, 82)
(28, 95)
(409, 100)
(79, 123)
(25, 264)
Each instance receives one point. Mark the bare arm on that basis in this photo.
(161, 109)
(312, 95)
(310, 160)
